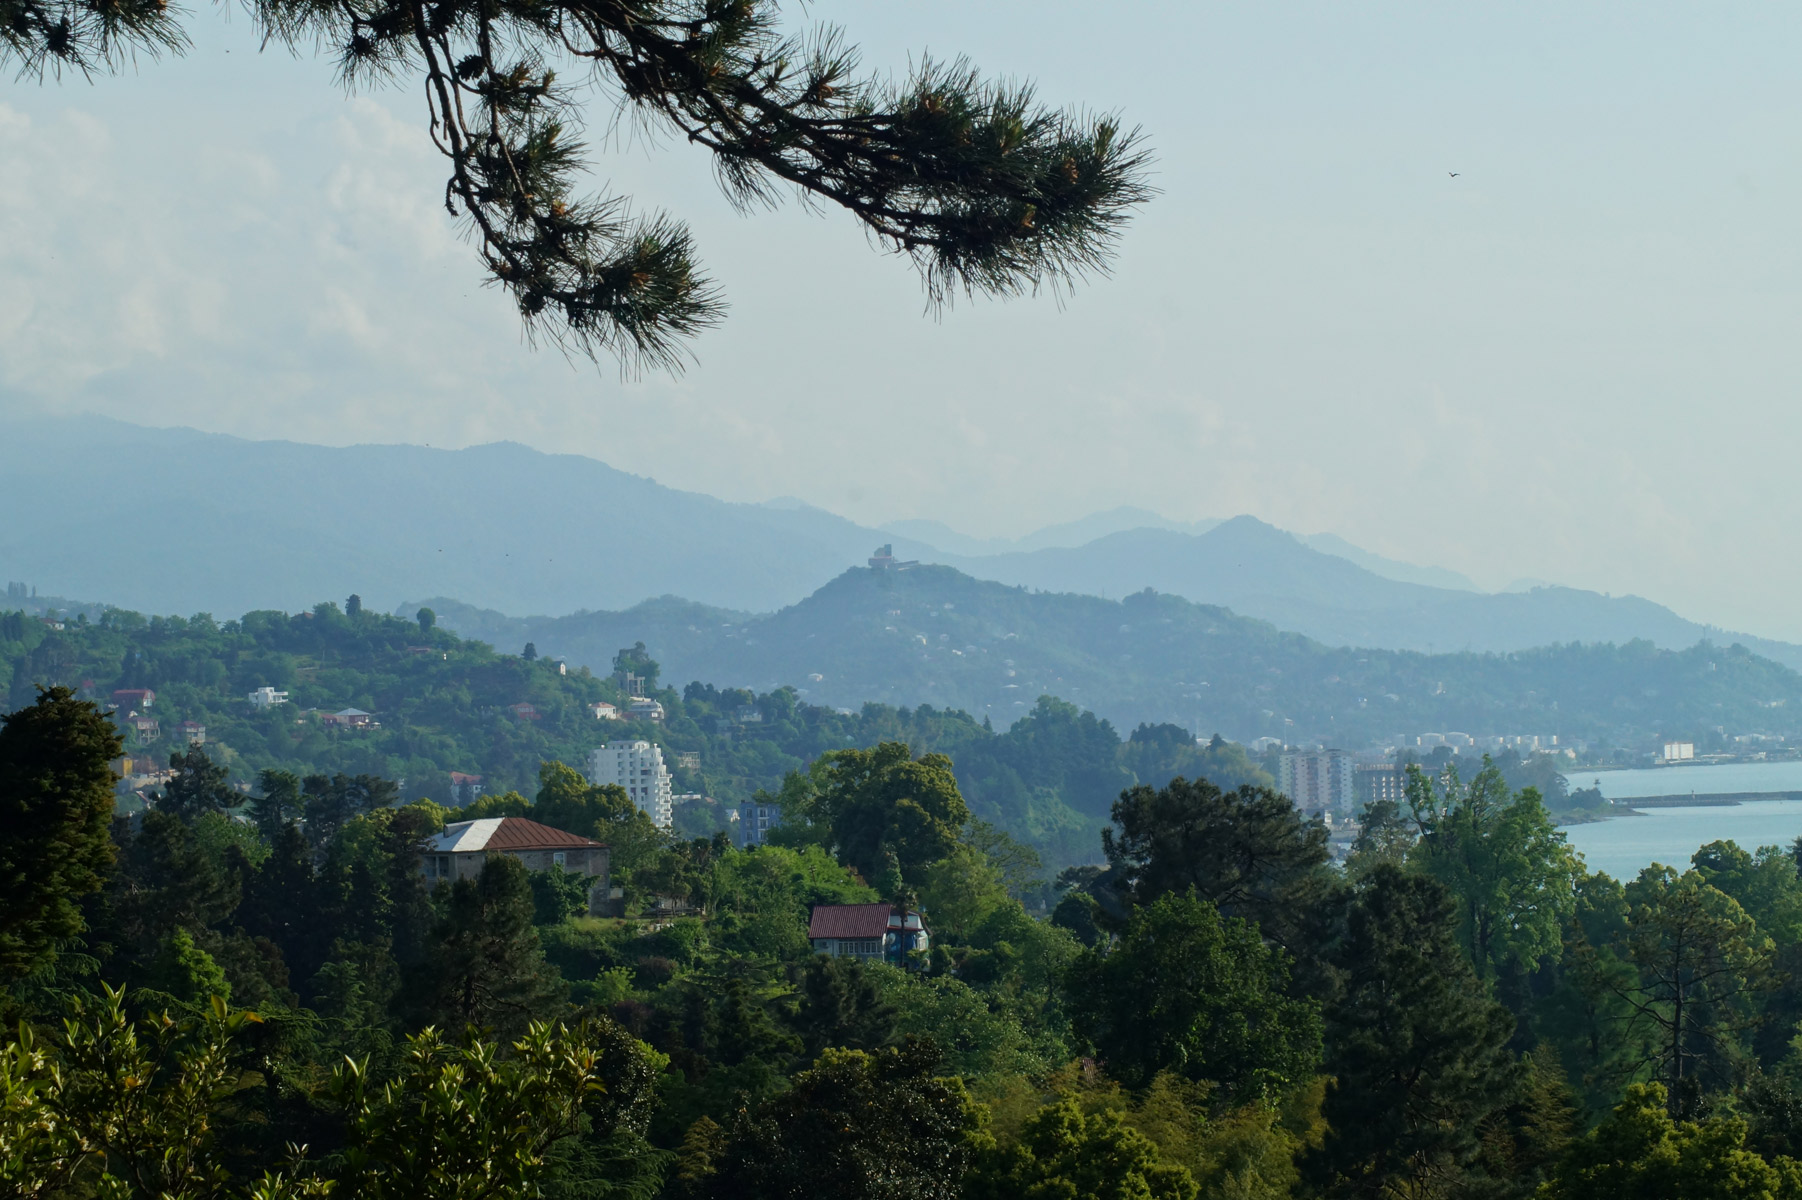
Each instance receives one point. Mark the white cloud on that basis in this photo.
(1575, 362)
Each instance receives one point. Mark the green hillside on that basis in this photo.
(935, 636)
(447, 704)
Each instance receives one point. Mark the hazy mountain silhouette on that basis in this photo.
(176, 521)
(933, 635)
(1261, 571)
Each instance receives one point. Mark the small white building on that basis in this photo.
(639, 768)
(646, 710)
(267, 697)
(600, 710)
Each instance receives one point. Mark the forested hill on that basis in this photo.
(446, 704)
(505, 527)
(935, 636)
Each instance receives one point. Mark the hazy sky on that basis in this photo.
(1578, 360)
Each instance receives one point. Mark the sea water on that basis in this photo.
(1624, 845)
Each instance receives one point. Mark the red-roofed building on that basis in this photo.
(524, 711)
(868, 931)
(464, 788)
(130, 698)
(460, 851)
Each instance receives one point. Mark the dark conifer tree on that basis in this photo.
(485, 967)
(1247, 851)
(856, 1126)
(199, 785)
(331, 802)
(1416, 1049)
(167, 881)
(1185, 991)
(280, 804)
(841, 1006)
(284, 902)
(56, 802)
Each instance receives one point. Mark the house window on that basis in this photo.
(557, 858)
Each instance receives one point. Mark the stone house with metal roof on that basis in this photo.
(460, 851)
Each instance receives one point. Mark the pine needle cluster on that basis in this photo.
(986, 190)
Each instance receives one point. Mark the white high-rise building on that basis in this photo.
(1318, 780)
(637, 767)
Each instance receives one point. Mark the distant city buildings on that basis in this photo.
(755, 821)
(637, 767)
(1522, 743)
(1376, 782)
(1679, 751)
(1318, 780)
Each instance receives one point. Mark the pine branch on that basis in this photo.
(985, 190)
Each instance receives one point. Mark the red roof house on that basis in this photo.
(460, 851)
(867, 931)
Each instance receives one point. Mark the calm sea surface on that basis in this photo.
(1622, 846)
(1679, 781)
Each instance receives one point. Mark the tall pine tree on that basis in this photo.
(56, 801)
(1416, 1048)
(484, 967)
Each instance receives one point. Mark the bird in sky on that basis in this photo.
(1453, 174)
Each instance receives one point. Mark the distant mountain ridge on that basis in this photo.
(177, 521)
(1261, 571)
(933, 635)
(190, 521)
(1065, 535)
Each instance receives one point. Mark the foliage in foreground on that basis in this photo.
(269, 1007)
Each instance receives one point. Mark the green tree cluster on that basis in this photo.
(1214, 1009)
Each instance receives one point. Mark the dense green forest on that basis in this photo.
(279, 1004)
(445, 704)
(933, 635)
